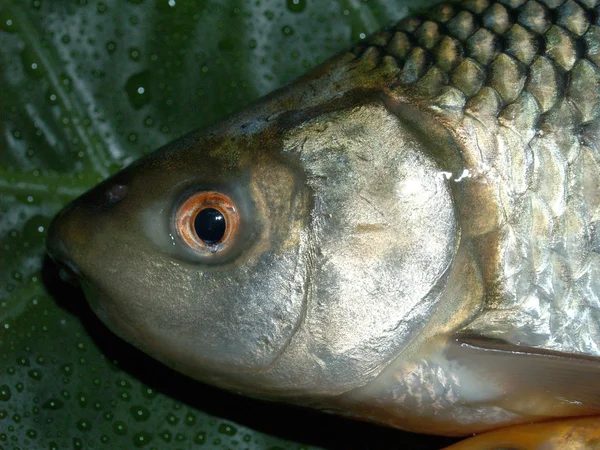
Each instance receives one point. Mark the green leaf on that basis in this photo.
(87, 87)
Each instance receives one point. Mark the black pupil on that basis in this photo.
(210, 225)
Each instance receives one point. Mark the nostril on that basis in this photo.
(116, 193)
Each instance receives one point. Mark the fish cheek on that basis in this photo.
(228, 319)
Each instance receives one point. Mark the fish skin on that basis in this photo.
(502, 99)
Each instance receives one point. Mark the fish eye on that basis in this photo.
(207, 221)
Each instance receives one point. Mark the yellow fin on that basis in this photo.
(572, 434)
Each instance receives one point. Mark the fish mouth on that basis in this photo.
(68, 272)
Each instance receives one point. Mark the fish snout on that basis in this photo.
(57, 249)
(73, 227)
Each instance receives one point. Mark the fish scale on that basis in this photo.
(528, 70)
(474, 45)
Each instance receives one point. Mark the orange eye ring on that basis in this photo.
(218, 205)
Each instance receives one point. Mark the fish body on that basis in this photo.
(411, 230)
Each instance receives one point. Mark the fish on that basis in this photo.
(409, 234)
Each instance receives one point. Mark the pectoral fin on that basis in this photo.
(579, 433)
(533, 382)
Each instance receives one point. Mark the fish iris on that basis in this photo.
(207, 222)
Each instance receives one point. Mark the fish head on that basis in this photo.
(190, 253)
(275, 262)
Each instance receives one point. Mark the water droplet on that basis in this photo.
(52, 97)
(83, 425)
(287, 30)
(200, 438)
(137, 88)
(134, 54)
(172, 419)
(123, 384)
(120, 428)
(31, 434)
(227, 429)
(23, 362)
(296, 6)
(269, 14)
(35, 374)
(148, 392)
(7, 21)
(140, 413)
(166, 436)
(141, 439)
(31, 63)
(190, 419)
(83, 399)
(5, 393)
(111, 47)
(101, 8)
(53, 404)
(148, 121)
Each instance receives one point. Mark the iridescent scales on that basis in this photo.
(528, 70)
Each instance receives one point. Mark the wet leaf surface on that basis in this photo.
(87, 87)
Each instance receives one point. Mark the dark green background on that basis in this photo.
(72, 112)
